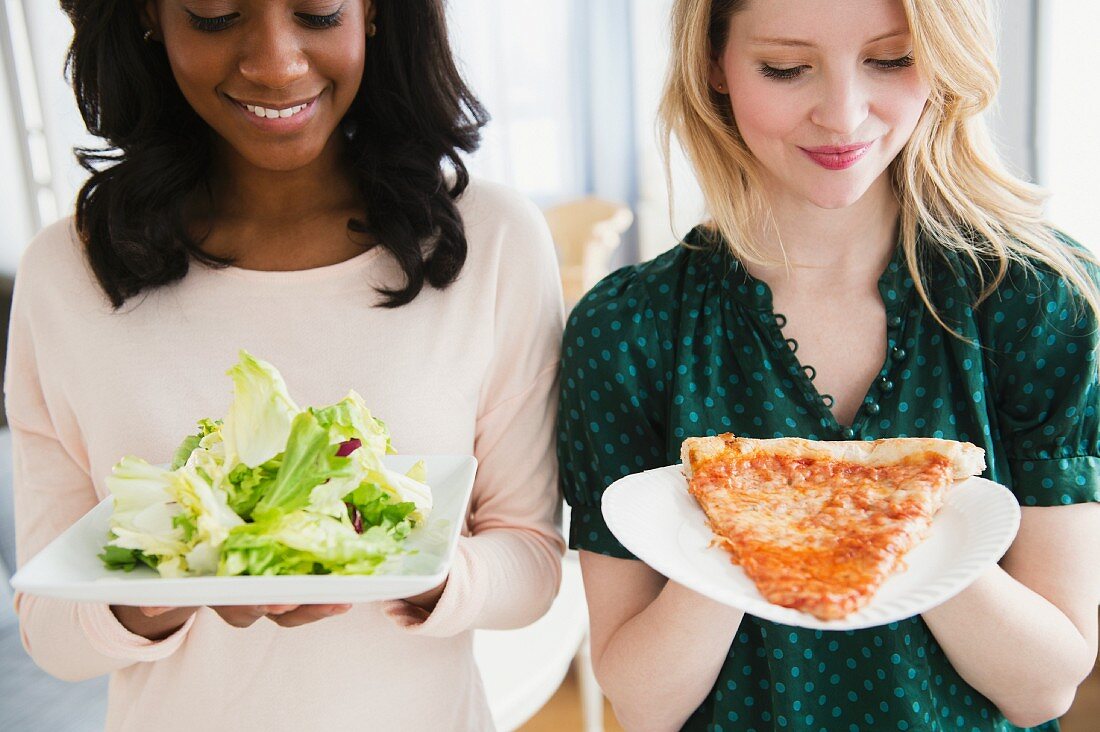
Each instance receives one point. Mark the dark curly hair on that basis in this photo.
(130, 212)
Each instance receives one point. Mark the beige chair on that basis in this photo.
(587, 232)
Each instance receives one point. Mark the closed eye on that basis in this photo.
(322, 21)
(221, 22)
(793, 72)
(211, 25)
(894, 63)
(783, 74)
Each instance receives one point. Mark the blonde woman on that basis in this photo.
(869, 269)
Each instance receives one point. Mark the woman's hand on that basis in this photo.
(157, 623)
(414, 610)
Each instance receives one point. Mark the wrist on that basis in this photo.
(155, 628)
(428, 600)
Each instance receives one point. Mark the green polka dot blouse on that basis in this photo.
(688, 344)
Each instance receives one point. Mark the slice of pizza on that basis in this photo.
(819, 526)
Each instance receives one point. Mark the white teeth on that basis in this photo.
(274, 113)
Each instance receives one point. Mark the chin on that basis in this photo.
(832, 203)
(282, 160)
(832, 200)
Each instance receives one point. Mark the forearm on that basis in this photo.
(1013, 646)
(514, 576)
(500, 579)
(77, 641)
(661, 664)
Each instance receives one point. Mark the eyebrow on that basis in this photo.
(806, 44)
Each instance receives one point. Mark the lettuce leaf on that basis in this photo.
(259, 419)
(302, 542)
(145, 509)
(193, 442)
(377, 507)
(246, 486)
(309, 461)
(115, 557)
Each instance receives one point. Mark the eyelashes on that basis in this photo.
(794, 72)
(213, 25)
(782, 74)
(894, 63)
(323, 21)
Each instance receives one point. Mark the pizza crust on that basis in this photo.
(966, 459)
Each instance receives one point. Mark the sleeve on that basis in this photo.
(506, 573)
(610, 410)
(1046, 386)
(70, 640)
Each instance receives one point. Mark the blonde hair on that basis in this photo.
(948, 178)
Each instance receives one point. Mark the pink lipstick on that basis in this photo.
(837, 157)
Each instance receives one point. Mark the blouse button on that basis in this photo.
(887, 385)
(899, 354)
(873, 408)
(848, 433)
(894, 321)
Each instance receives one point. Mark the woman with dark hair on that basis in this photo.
(284, 176)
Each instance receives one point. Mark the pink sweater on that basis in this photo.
(469, 370)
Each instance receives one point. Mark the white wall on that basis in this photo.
(1068, 140)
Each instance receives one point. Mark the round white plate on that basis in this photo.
(656, 519)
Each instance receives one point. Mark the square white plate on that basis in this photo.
(655, 518)
(69, 567)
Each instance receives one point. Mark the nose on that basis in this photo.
(271, 56)
(843, 104)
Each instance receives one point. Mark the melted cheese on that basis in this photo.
(819, 535)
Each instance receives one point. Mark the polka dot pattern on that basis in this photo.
(688, 344)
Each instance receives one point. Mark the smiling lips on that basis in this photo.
(277, 118)
(270, 113)
(837, 157)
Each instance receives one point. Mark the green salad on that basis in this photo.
(271, 489)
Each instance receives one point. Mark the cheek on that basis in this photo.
(904, 105)
(195, 70)
(762, 115)
(342, 59)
